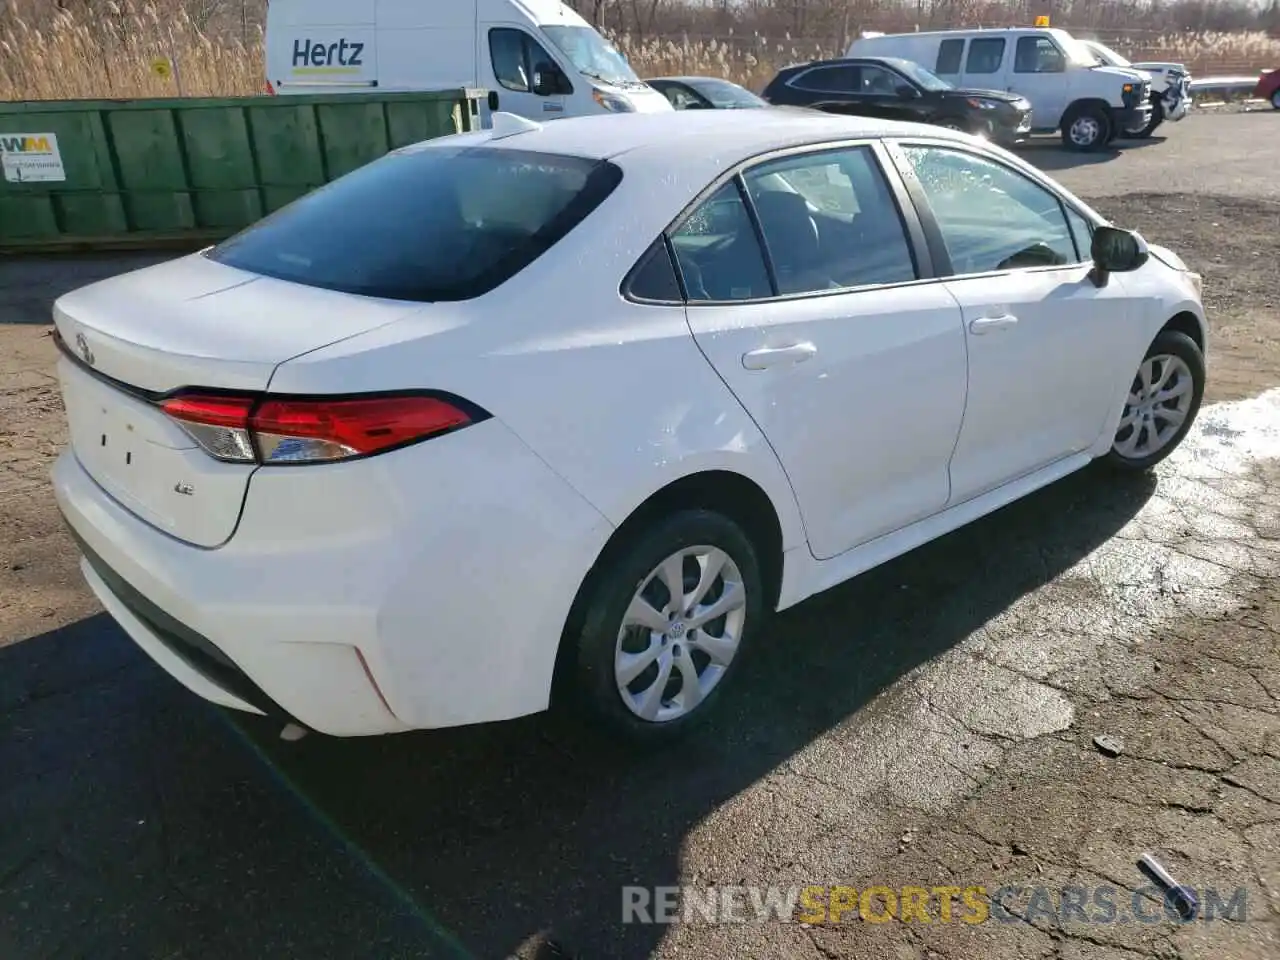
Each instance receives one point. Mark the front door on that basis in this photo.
(1039, 74)
(1047, 349)
(854, 371)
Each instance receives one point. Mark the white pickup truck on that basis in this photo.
(1170, 87)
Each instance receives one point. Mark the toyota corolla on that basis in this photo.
(586, 402)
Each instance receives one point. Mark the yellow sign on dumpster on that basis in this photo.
(162, 68)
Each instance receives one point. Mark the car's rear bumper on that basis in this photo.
(425, 588)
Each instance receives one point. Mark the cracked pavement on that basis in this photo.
(929, 724)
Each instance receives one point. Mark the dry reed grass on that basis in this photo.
(109, 55)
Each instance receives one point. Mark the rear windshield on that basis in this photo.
(428, 225)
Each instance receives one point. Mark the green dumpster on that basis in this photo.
(85, 174)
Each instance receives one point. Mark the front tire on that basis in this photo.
(1157, 118)
(1086, 129)
(665, 627)
(1275, 100)
(1163, 401)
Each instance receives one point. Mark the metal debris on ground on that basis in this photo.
(1111, 746)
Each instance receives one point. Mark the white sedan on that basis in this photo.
(586, 402)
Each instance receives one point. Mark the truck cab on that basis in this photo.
(1089, 103)
(536, 58)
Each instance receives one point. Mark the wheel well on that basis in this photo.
(1186, 323)
(1079, 106)
(722, 491)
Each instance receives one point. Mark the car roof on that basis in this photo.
(695, 80)
(695, 137)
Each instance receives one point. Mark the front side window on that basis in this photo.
(925, 78)
(1038, 55)
(718, 253)
(829, 221)
(991, 217)
(877, 81)
(681, 97)
(517, 59)
(985, 55)
(1082, 231)
(950, 55)
(427, 224)
(510, 65)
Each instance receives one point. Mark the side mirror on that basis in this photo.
(1116, 251)
(547, 79)
(906, 93)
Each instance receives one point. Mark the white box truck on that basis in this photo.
(1070, 91)
(537, 58)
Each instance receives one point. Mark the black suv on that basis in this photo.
(900, 90)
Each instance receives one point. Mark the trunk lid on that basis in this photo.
(190, 322)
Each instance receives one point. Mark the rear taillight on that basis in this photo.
(291, 430)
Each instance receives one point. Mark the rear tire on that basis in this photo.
(1086, 128)
(1151, 428)
(1275, 100)
(650, 687)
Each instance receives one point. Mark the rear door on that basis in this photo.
(853, 367)
(949, 63)
(829, 86)
(985, 63)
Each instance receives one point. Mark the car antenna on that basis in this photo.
(509, 124)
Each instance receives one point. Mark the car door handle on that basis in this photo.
(767, 357)
(988, 324)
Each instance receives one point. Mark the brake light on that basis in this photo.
(289, 430)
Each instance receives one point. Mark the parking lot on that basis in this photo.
(931, 724)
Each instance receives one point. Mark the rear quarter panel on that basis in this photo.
(614, 396)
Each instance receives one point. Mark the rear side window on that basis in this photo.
(1038, 55)
(654, 277)
(841, 79)
(985, 54)
(428, 225)
(949, 55)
